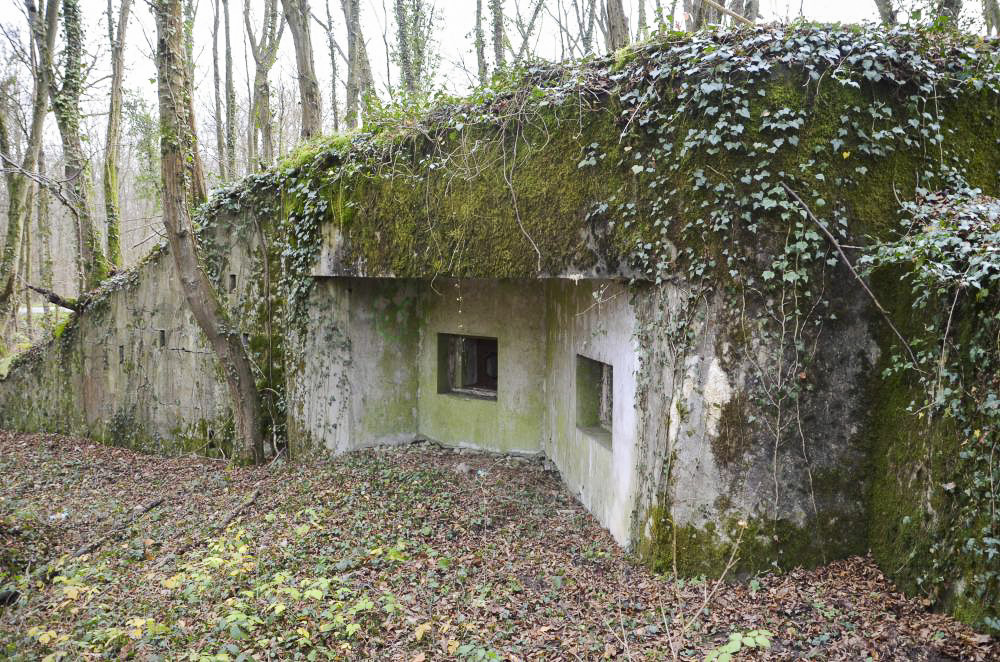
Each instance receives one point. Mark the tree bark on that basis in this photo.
(297, 15)
(480, 43)
(66, 107)
(112, 209)
(220, 140)
(404, 40)
(359, 72)
(43, 36)
(331, 44)
(496, 14)
(886, 11)
(44, 235)
(949, 9)
(230, 98)
(991, 12)
(177, 145)
(264, 52)
(617, 35)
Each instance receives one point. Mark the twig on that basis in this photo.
(239, 509)
(857, 276)
(728, 12)
(215, 529)
(117, 530)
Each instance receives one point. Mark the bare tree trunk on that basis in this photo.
(177, 144)
(43, 36)
(496, 14)
(66, 107)
(44, 238)
(991, 13)
(26, 271)
(643, 28)
(111, 207)
(230, 98)
(527, 30)
(949, 8)
(220, 140)
(403, 39)
(331, 44)
(350, 8)
(297, 15)
(617, 35)
(359, 72)
(264, 52)
(480, 43)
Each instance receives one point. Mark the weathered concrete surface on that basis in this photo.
(107, 376)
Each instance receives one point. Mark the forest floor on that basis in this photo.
(407, 554)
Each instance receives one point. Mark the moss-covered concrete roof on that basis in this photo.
(624, 165)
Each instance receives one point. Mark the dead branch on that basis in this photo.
(118, 529)
(215, 529)
(236, 511)
(52, 185)
(857, 276)
(728, 12)
(52, 297)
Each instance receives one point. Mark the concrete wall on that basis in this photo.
(106, 376)
(370, 374)
(594, 319)
(357, 385)
(513, 312)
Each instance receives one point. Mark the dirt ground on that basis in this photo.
(410, 554)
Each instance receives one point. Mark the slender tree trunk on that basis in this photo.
(527, 30)
(297, 16)
(264, 52)
(496, 12)
(66, 107)
(44, 251)
(230, 99)
(588, 35)
(404, 47)
(177, 145)
(26, 273)
(480, 43)
(991, 12)
(43, 36)
(949, 8)
(220, 140)
(331, 44)
(643, 28)
(617, 36)
(886, 11)
(111, 207)
(353, 86)
(359, 71)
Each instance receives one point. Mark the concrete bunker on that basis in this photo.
(528, 366)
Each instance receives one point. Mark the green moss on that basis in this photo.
(307, 152)
(913, 520)
(735, 438)
(760, 545)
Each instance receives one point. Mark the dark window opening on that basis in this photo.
(163, 338)
(232, 282)
(594, 396)
(468, 365)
